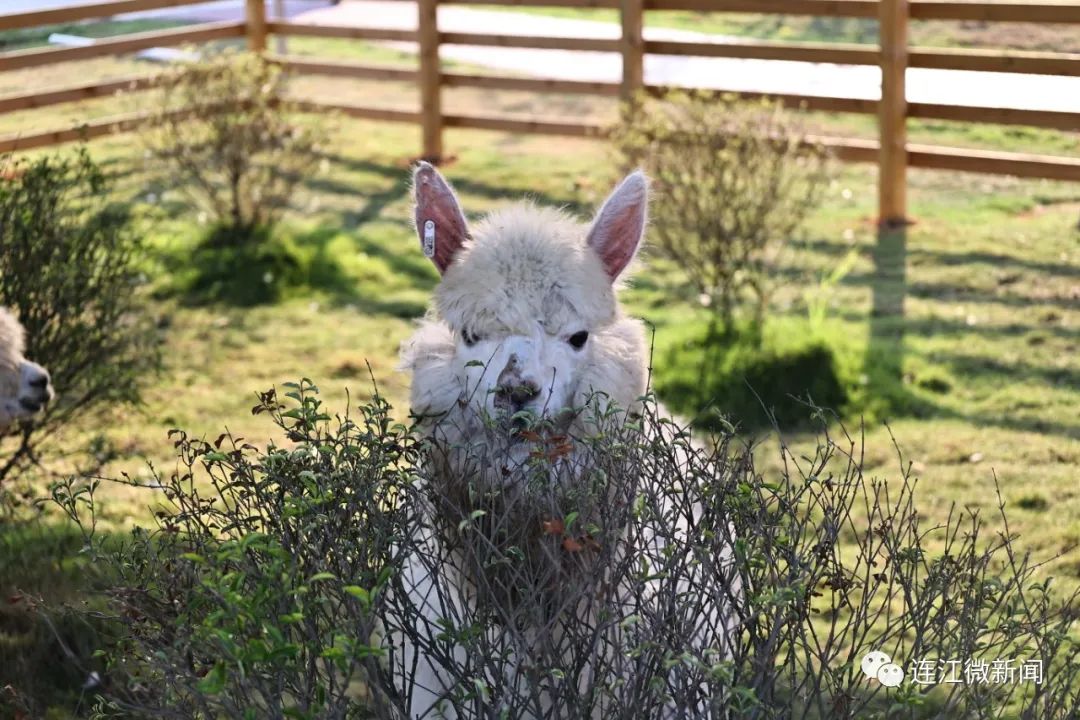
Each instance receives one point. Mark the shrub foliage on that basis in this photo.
(277, 582)
(224, 126)
(68, 264)
(733, 181)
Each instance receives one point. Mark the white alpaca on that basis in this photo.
(25, 387)
(525, 318)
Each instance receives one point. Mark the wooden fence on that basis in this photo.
(893, 54)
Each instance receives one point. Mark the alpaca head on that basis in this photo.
(525, 317)
(25, 386)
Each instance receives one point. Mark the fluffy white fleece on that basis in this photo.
(525, 264)
(11, 354)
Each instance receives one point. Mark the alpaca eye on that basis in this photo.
(577, 340)
(469, 338)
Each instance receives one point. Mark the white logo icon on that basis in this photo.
(890, 675)
(879, 666)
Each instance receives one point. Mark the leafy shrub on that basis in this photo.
(224, 127)
(260, 591)
(275, 582)
(733, 181)
(68, 268)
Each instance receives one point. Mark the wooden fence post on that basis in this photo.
(430, 79)
(256, 26)
(892, 113)
(632, 45)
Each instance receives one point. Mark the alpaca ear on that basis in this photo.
(440, 224)
(619, 226)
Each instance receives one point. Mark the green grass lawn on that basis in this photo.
(989, 340)
(25, 38)
(986, 377)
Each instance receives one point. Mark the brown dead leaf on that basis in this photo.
(571, 545)
(553, 527)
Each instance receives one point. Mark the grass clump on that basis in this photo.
(757, 380)
(268, 269)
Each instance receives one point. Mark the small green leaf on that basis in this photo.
(332, 653)
(364, 596)
(214, 682)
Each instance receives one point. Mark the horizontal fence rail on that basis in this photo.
(21, 59)
(891, 152)
(84, 11)
(75, 93)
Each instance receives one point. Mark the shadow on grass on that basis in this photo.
(354, 268)
(886, 351)
(396, 284)
(290, 262)
(884, 361)
(402, 187)
(968, 364)
(46, 649)
(713, 375)
(966, 259)
(779, 375)
(959, 328)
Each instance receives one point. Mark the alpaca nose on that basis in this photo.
(41, 382)
(39, 387)
(514, 396)
(512, 391)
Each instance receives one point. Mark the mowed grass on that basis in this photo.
(987, 361)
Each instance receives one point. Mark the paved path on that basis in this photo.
(960, 87)
(924, 85)
(203, 12)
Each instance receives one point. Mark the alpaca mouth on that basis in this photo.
(526, 425)
(31, 405)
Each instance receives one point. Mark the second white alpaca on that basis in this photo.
(25, 386)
